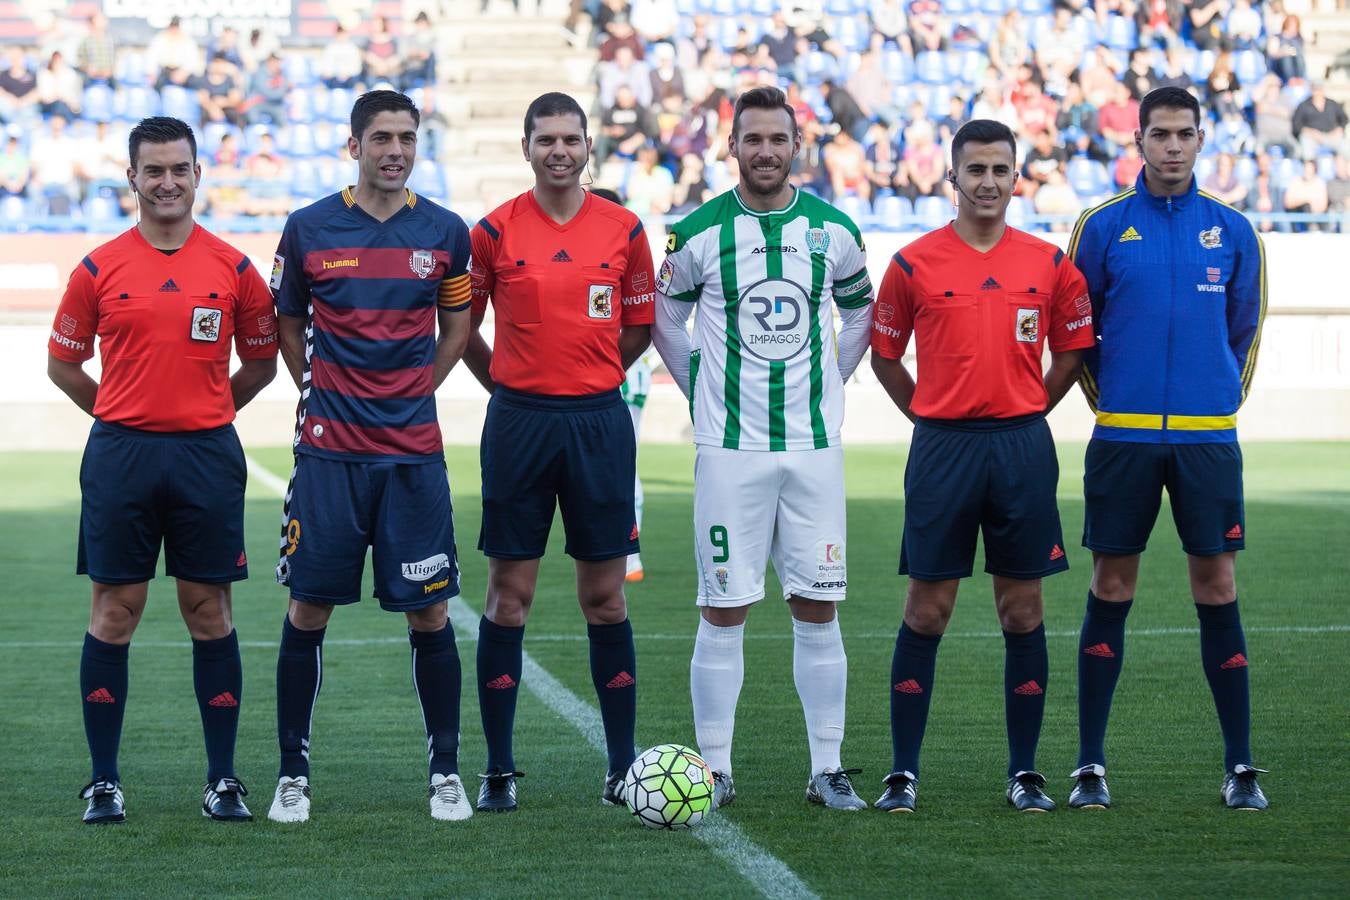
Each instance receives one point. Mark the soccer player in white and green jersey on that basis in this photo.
(765, 265)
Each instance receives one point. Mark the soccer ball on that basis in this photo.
(669, 786)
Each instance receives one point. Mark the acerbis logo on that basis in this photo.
(426, 569)
(780, 249)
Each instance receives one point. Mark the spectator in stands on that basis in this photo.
(887, 18)
(621, 36)
(654, 20)
(174, 56)
(846, 168)
(923, 160)
(623, 126)
(1174, 71)
(667, 82)
(1035, 110)
(1060, 52)
(692, 49)
(691, 188)
(651, 187)
(226, 44)
(1207, 23)
(1076, 113)
(624, 70)
(1056, 197)
(60, 88)
(340, 64)
(882, 161)
(266, 103)
(1338, 189)
(1273, 116)
(97, 53)
(994, 103)
(1099, 77)
(15, 168)
(1222, 87)
(1127, 166)
(1285, 51)
(781, 43)
(844, 109)
(869, 86)
(265, 171)
(220, 94)
(1159, 22)
(418, 52)
(810, 27)
(105, 158)
(808, 169)
(1264, 196)
(18, 88)
(1010, 45)
(1224, 183)
(1119, 119)
(56, 174)
(1243, 26)
(927, 28)
(380, 55)
(1139, 77)
(259, 46)
(1306, 193)
(1319, 123)
(1044, 157)
(951, 123)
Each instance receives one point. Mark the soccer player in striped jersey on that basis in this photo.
(372, 291)
(765, 266)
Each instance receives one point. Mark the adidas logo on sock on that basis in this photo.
(1102, 650)
(170, 287)
(223, 701)
(502, 682)
(622, 680)
(1236, 661)
(561, 256)
(909, 686)
(101, 695)
(1028, 689)
(991, 285)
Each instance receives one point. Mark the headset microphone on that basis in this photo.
(957, 185)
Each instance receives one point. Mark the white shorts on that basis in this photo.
(751, 506)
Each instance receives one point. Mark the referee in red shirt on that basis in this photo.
(570, 279)
(163, 464)
(981, 300)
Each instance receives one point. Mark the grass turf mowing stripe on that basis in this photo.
(765, 872)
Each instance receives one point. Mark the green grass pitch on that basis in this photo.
(371, 834)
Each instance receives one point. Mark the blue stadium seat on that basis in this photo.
(304, 178)
(892, 213)
(958, 7)
(300, 104)
(1201, 63)
(760, 9)
(299, 69)
(995, 7)
(13, 210)
(967, 66)
(932, 212)
(132, 68)
(897, 66)
(722, 8)
(136, 103)
(930, 66)
(180, 103)
(842, 7)
(1087, 176)
(939, 97)
(98, 103)
(855, 207)
(211, 135)
(1019, 210)
(1121, 33)
(1204, 167)
(820, 66)
(1249, 66)
(100, 209)
(337, 104)
(1282, 171)
(850, 31)
(253, 136)
(428, 179)
(298, 140)
(1245, 169)
(1036, 7)
(725, 29)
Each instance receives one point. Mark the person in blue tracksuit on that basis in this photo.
(1178, 286)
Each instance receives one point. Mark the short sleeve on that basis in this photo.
(456, 288)
(483, 277)
(1070, 309)
(289, 286)
(854, 289)
(76, 323)
(639, 297)
(255, 321)
(893, 319)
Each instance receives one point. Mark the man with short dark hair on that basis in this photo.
(163, 463)
(372, 291)
(1178, 284)
(981, 300)
(569, 276)
(763, 266)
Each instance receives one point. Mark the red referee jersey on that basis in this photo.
(561, 293)
(164, 325)
(980, 321)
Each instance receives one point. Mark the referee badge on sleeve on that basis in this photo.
(600, 302)
(205, 324)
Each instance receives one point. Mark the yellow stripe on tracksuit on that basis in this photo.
(1249, 365)
(1174, 423)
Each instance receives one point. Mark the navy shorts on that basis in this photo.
(1123, 484)
(337, 509)
(577, 453)
(143, 488)
(992, 475)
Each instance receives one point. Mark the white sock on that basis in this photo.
(715, 676)
(820, 670)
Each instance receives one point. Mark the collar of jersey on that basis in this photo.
(349, 199)
(769, 212)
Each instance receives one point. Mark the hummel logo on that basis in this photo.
(1236, 661)
(909, 686)
(561, 256)
(223, 701)
(1234, 533)
(1102, 650)
(1130, 235)
(502, 682)
(622, 680)
(1028, 689)
(169, 286)
(1056, 552)
(991, 285)
(100, 696)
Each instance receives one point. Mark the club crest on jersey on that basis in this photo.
(205, 324)
(600, 301)
(722, 576)
(1028, 325)
(817, 240)
(68, 325)
(278, 269)
(664, 276)
(1211, 238)
(1212, 274)
(421, 262)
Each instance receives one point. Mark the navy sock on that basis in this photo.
(1223, 650)
(435, 664)
(103, 684)
(499, 663)
(218, 679)
(1101, 653)
(299, 677)
(614, 672)
(911, 690)
(1026, 672)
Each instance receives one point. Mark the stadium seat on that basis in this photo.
(1087, 176)
(13, 210)
(102, 210)
(1201, 63)
(1245, 169)
(132, 69)
(300, 104)
(299, 69)
(1019, 210)
(253, 135)
(958, 7)
(726, 30)
(298, 140)
(428, 179)
(930, 66)
(892, 213)
(304, 179)
(98, 103)
(337, 104)
(180, 103)
(1282, 171)
(856, 208)
(1204, 167)
(850, 31)
(843, 7)
(994, 7)
(932, 212)
(897, 66)
(1036, 7)
(1121, 33)
(136, 103)
(211, 135)
(1249, 66)
(820, 66)
(967, 66)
